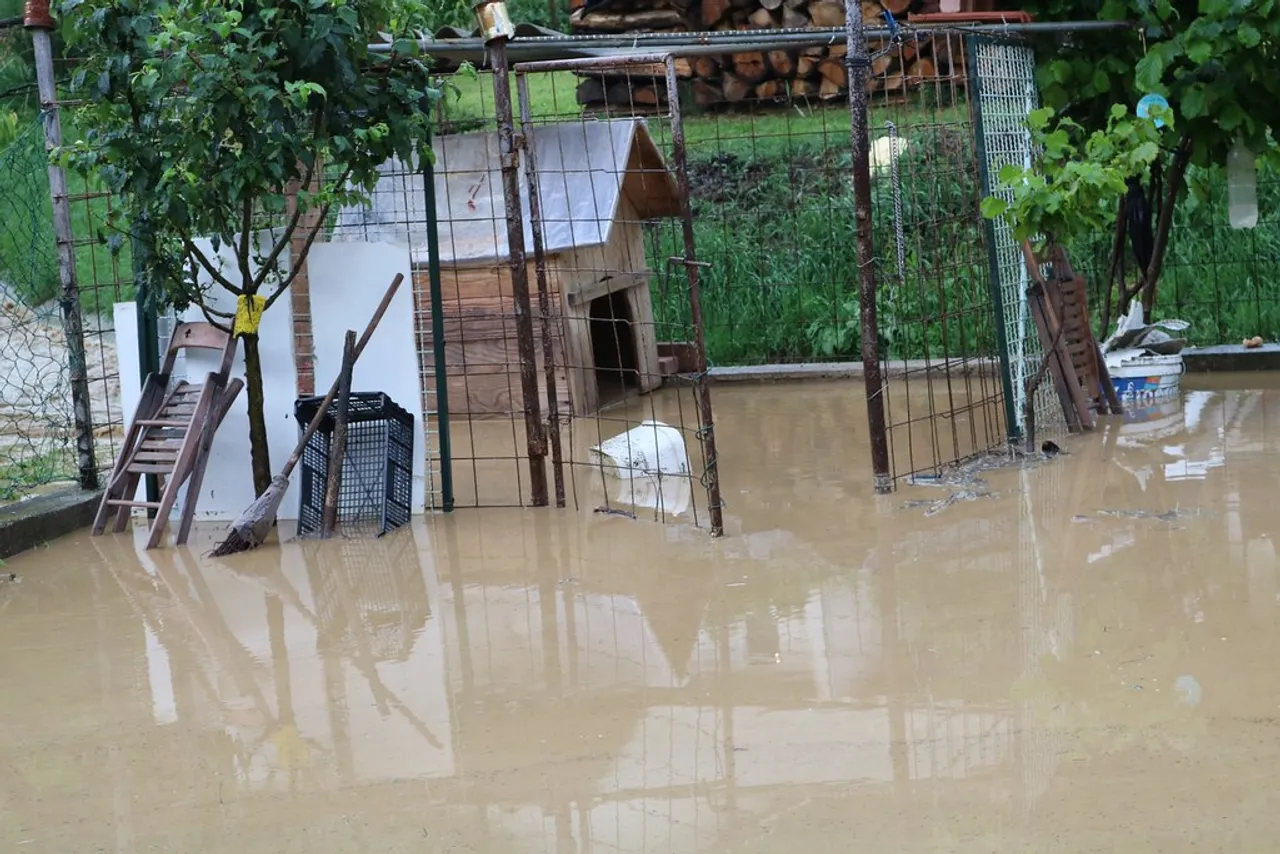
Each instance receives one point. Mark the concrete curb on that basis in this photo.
(1231, 358)
(1225, 358)
(27, 524)
(852, 370)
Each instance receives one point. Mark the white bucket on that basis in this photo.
(651, 449)
(1143, 377)
(649, 465)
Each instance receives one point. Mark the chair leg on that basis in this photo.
(181, 468)
(221, 407)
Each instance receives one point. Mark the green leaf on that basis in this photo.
(993, 207)
(1200, 52)
(1230, 117)
(1193, 102)
(1149, 72)
(1039, 119)
(1010, 173)
(406, 47)
(1248, 35)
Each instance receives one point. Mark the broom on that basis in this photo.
(250, 529)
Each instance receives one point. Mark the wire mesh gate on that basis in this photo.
(938, 316)
(620, 401)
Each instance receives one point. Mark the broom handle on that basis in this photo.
(333, 389)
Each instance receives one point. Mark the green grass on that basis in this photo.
(28, 252)
(19, 473)
(773, 218)
(776, 227)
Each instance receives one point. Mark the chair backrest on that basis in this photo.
(200, 336)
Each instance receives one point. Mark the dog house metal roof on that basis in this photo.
(585, 169)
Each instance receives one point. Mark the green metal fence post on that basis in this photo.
(437, 328)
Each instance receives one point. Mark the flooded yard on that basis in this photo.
(1078, 656)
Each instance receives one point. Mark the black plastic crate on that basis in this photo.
(377, 472)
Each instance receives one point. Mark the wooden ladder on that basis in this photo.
(171, 435)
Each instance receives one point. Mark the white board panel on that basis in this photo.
(348, 281)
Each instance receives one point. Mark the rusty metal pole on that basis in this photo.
(496, 29)
(40, 23)
(546, 314)
(858, 63)
(701, 389)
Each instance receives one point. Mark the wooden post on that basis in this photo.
(338, 444)
(40, 23)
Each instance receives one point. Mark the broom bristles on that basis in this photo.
(251, 528)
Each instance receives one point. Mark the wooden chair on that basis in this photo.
(171, 434)
(1074, 359)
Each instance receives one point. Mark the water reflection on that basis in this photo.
(520, 681)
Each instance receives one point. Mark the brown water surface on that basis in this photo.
(1084, 661)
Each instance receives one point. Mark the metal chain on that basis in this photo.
(897, 203)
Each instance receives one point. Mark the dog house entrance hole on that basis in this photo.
(613, 346)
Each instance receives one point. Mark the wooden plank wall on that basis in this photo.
(481, 354)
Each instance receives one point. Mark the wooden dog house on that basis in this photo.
(598, 183)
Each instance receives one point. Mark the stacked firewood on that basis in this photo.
(775, 75)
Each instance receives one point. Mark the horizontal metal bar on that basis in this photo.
(551, 48)
(593, 63)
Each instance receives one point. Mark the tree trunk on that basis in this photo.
(1114, 269)
(259, 453)
(1173, 189)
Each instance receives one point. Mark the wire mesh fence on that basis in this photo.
(1225, 282)
(39, 433)
(766, 171)
(772, 212)
(938, 315)
(37, 442)
(1005, 93)
(617, 266)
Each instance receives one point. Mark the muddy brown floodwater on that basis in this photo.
(1083, 660)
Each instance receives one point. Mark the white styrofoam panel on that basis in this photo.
(348, 281)
(228, 481)
(126, 325)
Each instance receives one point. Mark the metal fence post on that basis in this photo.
(544, 299)
(443, 435)
(40, 23)
(496, 29)
(701, 390)
(858, 64)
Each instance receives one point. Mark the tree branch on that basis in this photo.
(208, 315)
(1117, 257)
(296, 265)
(189, 245)
(243, 254)
(269, 264)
